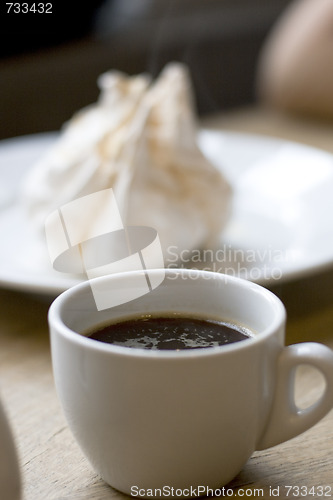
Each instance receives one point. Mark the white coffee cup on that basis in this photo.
(150, 419)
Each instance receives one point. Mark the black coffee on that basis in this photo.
(171, 333)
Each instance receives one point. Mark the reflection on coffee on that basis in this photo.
(170, 333)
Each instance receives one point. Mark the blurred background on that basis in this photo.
(49, 63)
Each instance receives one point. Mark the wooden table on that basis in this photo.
(53, 466)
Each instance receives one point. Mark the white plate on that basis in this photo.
(281, 225)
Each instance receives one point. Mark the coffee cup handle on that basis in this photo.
(286, 420)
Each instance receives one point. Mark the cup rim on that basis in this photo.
(56, 324)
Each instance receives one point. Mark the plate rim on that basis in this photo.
(52, 286)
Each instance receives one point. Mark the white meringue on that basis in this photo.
(140, 138)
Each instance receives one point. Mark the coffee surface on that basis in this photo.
(169, 333)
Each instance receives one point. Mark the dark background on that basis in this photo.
(49, 63)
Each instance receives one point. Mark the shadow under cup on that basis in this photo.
(148, 419)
